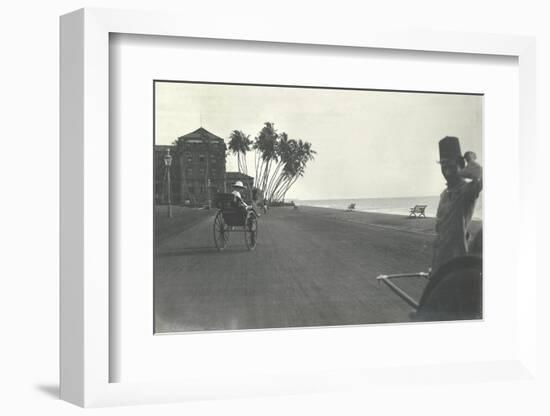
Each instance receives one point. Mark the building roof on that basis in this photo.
(237, 175)
(200, 136)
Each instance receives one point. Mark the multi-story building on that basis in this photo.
(198, 170)
(201, 157)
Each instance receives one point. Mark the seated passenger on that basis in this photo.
(238, 187)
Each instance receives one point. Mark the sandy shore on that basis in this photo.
(391, 221)
(312, 267)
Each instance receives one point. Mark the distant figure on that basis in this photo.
(473, 169)
(237, 188)
(456, 204)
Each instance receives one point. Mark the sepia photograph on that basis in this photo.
(282, 206)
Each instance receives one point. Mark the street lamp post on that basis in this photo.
(167, 164)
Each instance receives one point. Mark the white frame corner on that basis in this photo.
(84, 179)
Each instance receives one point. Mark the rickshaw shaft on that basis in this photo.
(400, 292)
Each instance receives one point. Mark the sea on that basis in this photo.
(397, 206)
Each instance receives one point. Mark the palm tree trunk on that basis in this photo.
(278, 184)
(245, 164)
(282, 186)
(259, 177)
(273, 177)
(267, 173)
(256, 163)
(289, 186)
(261, 173)
(286, 186)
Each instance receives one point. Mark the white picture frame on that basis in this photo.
(85, 264)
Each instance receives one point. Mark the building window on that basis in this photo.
(201, 158)
(189, 171)
(201, 171)
(191, 190)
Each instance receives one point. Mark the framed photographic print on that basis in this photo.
(357, 199)
(273, 214)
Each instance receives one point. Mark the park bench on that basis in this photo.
(351, 207)
(417, 209)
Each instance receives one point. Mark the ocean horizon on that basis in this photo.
(396, 206)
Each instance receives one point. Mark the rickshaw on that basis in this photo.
(233, 218)
(453, 292)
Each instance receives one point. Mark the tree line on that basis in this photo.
(279, 161)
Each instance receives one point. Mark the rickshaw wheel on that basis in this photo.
(454, 292)
(251, 231)
(221, 234)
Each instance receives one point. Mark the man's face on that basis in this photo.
(450, 170)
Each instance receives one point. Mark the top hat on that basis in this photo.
(449, 149)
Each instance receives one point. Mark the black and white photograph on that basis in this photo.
(290, 208)
(297, 206)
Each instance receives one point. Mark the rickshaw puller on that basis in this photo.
(456, 204)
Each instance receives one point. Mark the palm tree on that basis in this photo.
(239, 144)
(279, 161)
(265, 145)
(300, 154)
(291, 169)
(283, 150)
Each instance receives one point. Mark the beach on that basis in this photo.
(397, 205)
(312, 267)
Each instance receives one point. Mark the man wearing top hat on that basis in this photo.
(456, 204)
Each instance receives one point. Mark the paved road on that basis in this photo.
(308, 269)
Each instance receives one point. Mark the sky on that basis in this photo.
(369, 144)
